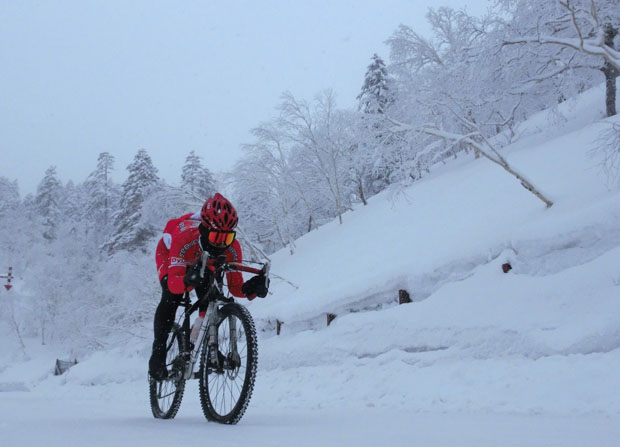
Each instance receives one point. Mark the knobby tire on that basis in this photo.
(166, 395)
(225, 393)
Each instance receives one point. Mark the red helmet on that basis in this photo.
(218, 213)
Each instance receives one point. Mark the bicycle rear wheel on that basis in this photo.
(166, 395)
(227, 375)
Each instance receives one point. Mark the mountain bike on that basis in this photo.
(226, 346)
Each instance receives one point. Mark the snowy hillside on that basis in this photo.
(543, 337)
(541, 341)
(461, 216)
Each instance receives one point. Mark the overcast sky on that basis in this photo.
(81, 77)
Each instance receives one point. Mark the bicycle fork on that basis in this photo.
(209, 331)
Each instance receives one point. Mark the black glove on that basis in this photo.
(193, 278)
(256, 286)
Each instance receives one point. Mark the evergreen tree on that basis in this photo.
(47, 202)
(130, 231)
(374, 97)
(72, 202)
(196, 178)
(102, 195)
(369, 164)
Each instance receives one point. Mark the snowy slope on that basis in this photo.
(461, 216)
(525, 358)
(543, 337)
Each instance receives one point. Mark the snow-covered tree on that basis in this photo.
(48, 202)
(73, 202)
(319, 132)
(268, 190)
(368, 165)
(375, 95)
(363, 158)
(166, 202)
(196, 178)
(430, 72)
(570, 34)
(102, 197)
(9, 195)
(130, 232)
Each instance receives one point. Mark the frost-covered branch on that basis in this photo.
(591, 41)
(484, 147)
(592, 46)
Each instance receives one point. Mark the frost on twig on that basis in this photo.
(607, 152)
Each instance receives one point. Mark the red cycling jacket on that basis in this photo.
(179, 247)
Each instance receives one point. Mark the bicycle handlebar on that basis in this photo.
(245, 268)
(235, 266)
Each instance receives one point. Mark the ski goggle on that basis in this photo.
(221, 238)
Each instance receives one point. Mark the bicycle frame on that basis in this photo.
(209, 322)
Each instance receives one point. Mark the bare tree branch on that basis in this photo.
(485, 148)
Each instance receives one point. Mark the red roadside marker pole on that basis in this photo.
(8, 277)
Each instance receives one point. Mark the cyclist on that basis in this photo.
(180, 247)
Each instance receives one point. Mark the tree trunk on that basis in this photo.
(610, 92)
(284, 244)
(524, 182)
(361, 191)
(338, 196)
(610, 73)
(17, 331)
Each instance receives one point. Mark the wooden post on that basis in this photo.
(63, 365)
(403, 297)
(279, 326)
(330, 318)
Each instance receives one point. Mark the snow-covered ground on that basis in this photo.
(121, 422)
(484, 358)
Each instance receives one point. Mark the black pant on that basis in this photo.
(164, 319)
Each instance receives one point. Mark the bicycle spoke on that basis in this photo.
(222, 389)
(166, 395)
(238, 387)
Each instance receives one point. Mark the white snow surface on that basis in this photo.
(483, 358)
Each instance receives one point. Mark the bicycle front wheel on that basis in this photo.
(228, 370)
(166, 395)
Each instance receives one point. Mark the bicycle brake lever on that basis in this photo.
(266, 268)
(204, 258)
